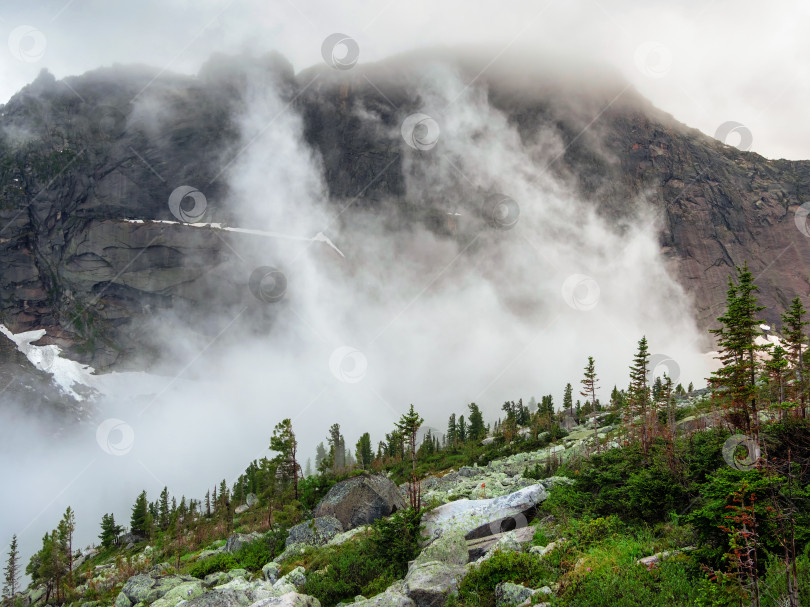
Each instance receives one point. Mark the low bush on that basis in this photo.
(212, 564)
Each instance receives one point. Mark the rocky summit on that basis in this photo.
(85, 177)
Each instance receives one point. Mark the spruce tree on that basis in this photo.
(163, 509)
(568, 400)
(776, 368)
(11, 572)
(640, 391)
(408, 425)
(363, 451)
(284, 441)
(139, 521)
(452, 430)
(462, 430)
(320, 457)
(69, 527)
(476, 429)
(735, 381)
(793, 324)
(590, 384)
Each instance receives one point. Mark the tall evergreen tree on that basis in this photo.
(109, 531)
(462, 430)
(735, 381)
(284, 442)
(776, 368)
(308, 468)
(409, 425)
(69, 527)
(139, 521)
(640, 390)
(452, 430)
(163, 509)
(590, 384)
(363, 451)
(476, 429)
(320, 457)
(568, 399)
(793, 324)
(11, 572)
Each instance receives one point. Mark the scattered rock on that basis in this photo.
(241, 509)
(482, 518)
(215, 579)
(449, 548)
(181, 592)
(291, 599)
(511, 541)
(314, 532)
(270, 572)
(394, 596)
(237, 540)
(342, 538)
(429, 584)
(148, 589)
(361, 500)
(652, 561)
(507, 593)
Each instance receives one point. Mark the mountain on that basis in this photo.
(81, 156)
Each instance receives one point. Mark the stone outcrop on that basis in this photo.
(82, 169)
(361, 500)
(314, 532)
(482, 518)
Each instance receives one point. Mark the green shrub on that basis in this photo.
(478, 587)
(395, 539)
(255, 555)
(212, 564)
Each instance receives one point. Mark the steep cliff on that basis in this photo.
(80, 156)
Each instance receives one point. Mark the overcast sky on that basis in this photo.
(705, 62)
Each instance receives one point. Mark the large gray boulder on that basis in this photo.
(237, 540)
(394, 596)
(315, 532)
(148, 589)
(291, 599)
(482, 518)
(361, 500)
(429, 584)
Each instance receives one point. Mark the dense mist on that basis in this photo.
(501, 296)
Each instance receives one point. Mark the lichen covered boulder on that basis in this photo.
(361, 500)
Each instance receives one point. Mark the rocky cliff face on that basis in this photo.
(79, 157)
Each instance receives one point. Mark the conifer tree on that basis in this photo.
(308, 468)
(109, 531)
(476, 429)
(284, 441)
(735, 381)
(640, 391)
(363, 451)
(793, 324)
(11, 572)
(462, 430)
(139, 521)
(452, 431)
(568, 400)
(776, 368)
(408, 425)
(320, 457)
(69, 527)
(590, 384)
(163, 509)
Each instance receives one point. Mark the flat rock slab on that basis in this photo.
(482, 518)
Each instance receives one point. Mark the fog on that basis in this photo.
(529, 282)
